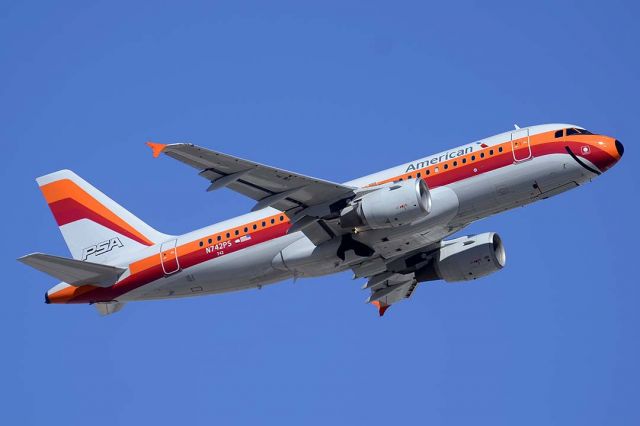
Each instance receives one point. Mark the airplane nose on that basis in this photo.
(619, 148)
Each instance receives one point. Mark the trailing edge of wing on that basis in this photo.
(388, 288)
(269, 186)
(74, 272)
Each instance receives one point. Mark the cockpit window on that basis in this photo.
(559, 133)
(574, 131)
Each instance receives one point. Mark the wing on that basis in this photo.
(269, 186)
(392, 280)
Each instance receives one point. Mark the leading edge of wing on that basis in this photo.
(196, 153)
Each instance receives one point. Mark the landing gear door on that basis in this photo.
(169, 257)
(520, 145)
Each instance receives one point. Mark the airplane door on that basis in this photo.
(169, 257)
(520, 145)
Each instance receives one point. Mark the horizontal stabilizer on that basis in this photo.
(74, 272)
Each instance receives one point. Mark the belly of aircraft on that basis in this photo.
(244, 269)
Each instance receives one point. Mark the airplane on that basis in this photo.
(389, 227)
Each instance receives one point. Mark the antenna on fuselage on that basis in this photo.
(516, 126)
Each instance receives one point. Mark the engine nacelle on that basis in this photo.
(396, 205)
(466, 259)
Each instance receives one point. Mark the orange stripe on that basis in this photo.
(69, 293)
(65, 188)
(539, 139)
(190, 247)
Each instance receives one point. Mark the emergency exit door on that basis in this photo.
(520, 145)
(169, 257)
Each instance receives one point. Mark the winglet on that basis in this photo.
(381, 308)
(157, 148)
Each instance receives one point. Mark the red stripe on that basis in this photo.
(470, 169)
(460, 172)
(599, 157)
(69, 210)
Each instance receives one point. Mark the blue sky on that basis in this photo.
(334, 90)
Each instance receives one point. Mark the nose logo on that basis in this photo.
(585, 150)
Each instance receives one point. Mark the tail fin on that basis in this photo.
(95, 227)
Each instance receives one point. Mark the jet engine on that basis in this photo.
(388, 207)
(465, 259)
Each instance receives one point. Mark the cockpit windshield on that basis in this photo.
(572, 131)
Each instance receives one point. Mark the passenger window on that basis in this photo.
(237, 232)
(264, 224)
(419, 174)
(473, 158)
(210, 241)
(281, 218)
(482, 155)
(455, 163)
(428, 172)
(219, 237)
(228, 235)
(255, 226)
(246, 229)
(201, 243)
(446, 166)
(464, 161)
(500, 149)
(273, 221)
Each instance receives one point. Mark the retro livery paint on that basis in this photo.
(466, 183)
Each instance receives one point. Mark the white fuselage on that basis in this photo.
(456, 204)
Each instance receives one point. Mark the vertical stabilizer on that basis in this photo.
(95, 228)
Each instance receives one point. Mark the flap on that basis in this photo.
(388, 288)
(269, 186)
